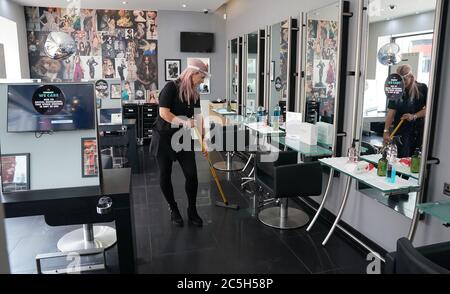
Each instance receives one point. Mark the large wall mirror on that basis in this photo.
(325, 59)
(399, 58)
(251, 70)
(234, 73)
(282, 38)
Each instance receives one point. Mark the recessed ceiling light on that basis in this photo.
(124, 2)
(184, 5)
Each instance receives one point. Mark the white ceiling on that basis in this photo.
(192, 5)
(379, 9)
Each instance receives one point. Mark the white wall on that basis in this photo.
(9, 39)
(374, 220)
(15, 12)
(171, 23)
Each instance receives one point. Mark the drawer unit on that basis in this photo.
(145, 115)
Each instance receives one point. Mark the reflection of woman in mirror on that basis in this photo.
(412, 109)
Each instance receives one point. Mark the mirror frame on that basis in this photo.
(259, 69)
(341, 72)
(291, 65)
(229, 70)
(433, 97)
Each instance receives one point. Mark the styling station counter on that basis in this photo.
(76, 206)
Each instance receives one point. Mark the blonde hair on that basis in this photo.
(188, 93)
(406, 70)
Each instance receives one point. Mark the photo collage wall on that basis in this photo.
(111, 44)
(321, 61)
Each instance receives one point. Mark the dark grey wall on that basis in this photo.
(171, 23)
(404, 25)
(15, 12)
(377, 222)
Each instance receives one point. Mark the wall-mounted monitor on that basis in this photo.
(50, 107)
(196, 42)
(110, 116)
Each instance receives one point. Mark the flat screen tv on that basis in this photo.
(50, 107)
(110, 116)
(196, 42)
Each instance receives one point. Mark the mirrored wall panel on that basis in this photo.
(233, 66)
(281, 66)
(399, 62)
(251, 73)
(324, 60)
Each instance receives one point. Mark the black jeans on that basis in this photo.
(189, 167)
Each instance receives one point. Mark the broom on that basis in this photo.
(392, 135)
(225, 202)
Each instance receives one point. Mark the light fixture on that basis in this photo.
(124, 2)
(225, 16)
(184, 5)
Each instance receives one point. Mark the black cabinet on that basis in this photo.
(145, 115)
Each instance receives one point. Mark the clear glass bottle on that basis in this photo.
(352, 153)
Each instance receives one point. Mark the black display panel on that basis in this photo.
(196, 42)
(107, 114)
(56, 107)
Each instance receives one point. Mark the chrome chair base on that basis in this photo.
(89, 237)
(294, 218)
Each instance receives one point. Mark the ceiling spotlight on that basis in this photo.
(124, 2)
(225, 16)
(184, 5)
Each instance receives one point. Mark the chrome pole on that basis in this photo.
(322, 205)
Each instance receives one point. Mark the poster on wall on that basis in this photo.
(15, 172)
(205, 87)
(321, 54)
(89, 160)
(119, 44)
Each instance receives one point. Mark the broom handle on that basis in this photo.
(213, 171)
(397, 128)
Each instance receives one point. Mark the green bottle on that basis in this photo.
(415, 162)
(382, 165)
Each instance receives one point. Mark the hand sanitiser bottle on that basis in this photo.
(415, 162)
(352, 153)
(382, 165)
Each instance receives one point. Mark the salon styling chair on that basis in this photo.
(431, 259)
(285, 178)
(226, 138)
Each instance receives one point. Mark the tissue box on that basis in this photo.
(307, 133)
(325, 133)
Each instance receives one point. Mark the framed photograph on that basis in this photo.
(89, 158)
(15, 172)
(205, 87)
(172, 69)
(272, 71)
(116, 91)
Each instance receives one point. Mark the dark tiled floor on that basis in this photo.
(231, 241)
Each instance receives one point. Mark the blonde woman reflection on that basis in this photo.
(412, 109)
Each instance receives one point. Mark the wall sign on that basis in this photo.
(48, 100)
(278, 84)
(394, 87)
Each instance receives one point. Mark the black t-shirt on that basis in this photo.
(169, 98)
(406, 105)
